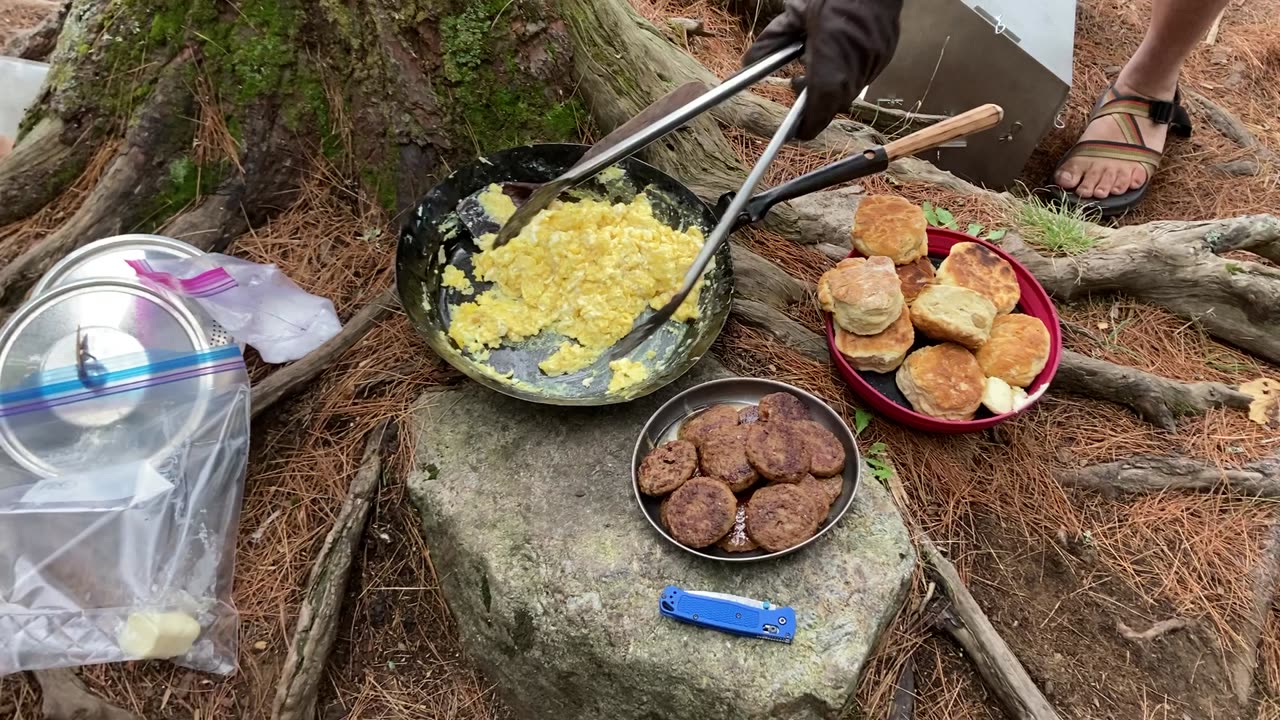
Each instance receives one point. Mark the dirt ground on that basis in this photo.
(1055, 570)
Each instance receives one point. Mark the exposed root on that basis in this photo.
(1161, 474)
(66, 698)
(1160, 629)
(42, 165)
(1231, 128)
(38, 42)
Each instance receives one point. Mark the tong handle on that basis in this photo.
(966, 123)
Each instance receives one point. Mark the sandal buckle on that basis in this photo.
(1162, 111)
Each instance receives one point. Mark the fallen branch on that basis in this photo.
(1160, 629)
(66, 698)
(1158, 400)
(1230, 126)
(1161, 474)
(965, 622)
(689, 27)
(891, 122)
(318, 617)
(1243, 664)
(290, 379)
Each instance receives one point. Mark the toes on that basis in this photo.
(1089, 183)
(1123, 179)
(1068, 176)
(1107, 182)
(1139, 178)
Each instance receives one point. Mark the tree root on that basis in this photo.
(38, 42)
(1231, 128)
(66, 698)
(1158, 400)
(1158, 630)
(1243, 664)
(288, 380)
(1161, 474)
(318, 617)
(43, 164)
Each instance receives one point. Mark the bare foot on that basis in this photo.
(1099, 178)
(6, 145)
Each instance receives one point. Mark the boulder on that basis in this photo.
(553, 573)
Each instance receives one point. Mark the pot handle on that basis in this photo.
(867, 162)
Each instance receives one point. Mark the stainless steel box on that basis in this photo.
(957, 54)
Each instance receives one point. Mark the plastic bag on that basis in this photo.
(257, 304)
(119, 503)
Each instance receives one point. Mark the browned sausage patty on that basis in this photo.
(749, 414)
(782, 406)
(723, 455)
(828, 489)
(737, 541)
(700, 512)
(778, 450)
(781, 516)
(717, 416)
(667, 466)
(826, 451)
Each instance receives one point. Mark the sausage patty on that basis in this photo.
(782, 406)
(700, 512)
(667, 466)
(825, 449)
(778, 450)
(781, 517)
(717, 416)
(723, 455)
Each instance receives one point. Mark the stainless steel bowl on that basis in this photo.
(664, 424)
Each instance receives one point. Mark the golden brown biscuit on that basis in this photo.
(916, 276)
(943, 381)
(1017, 350)
(717, 416)
(700, 512)
(953, 314)
(863, 294)
(783, 406)
(781, 516)
(778, 450)
(880, 353)
(667, 467)
(978, 268)
(892, 227)
(723, 454)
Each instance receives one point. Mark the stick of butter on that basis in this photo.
(158, 635)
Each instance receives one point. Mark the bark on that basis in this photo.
(1242, 665)
(317, 627)
(66, 698)
(1162, 474)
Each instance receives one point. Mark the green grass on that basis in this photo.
(1057, 229)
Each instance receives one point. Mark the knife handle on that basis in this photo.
(773, 623)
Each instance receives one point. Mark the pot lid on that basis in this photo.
(81, 335)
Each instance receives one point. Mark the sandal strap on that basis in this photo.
(1109, 150)
(1160, 112)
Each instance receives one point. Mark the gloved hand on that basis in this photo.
(847, 44)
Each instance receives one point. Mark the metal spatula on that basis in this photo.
(472, 214)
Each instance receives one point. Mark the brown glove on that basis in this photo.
(847, 44)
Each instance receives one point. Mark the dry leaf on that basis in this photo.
(1265, 408)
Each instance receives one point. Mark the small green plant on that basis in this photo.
(1056, 229)
(861, 419)
(1234, 268)
(944, 218)
(878, 461)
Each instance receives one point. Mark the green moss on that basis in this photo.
(500, 114)
(184, 182)
(381, 181)
(466, 37)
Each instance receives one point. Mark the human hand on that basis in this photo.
(847, 44)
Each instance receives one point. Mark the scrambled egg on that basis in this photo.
(454, 278)
(625, 374)
(585, 270)
(496, 204)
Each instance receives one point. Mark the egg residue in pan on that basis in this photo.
(584, 270)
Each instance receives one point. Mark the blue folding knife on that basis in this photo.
(728, 613)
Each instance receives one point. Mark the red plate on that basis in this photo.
(879, 390)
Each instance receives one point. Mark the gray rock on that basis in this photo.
(553, 573)
(827, 217)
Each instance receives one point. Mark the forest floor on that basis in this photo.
(1056, 570)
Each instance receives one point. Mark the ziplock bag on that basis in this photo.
(120, 489)
(257, 304)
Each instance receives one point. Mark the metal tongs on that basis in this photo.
(542, 197)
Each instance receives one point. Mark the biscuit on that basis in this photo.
(980, 269)
(700, 512)
(723, 456)
(781, 517)
(737, 541)
(863, 294)
(890, 226)
(696, 428)
(783, 406)
(1017, 350)
(880, 353)
(667, 467)
(1000, 398)
(826, 452)
(778, 450)
(916, 276)
(943, 381)
(953, 314)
